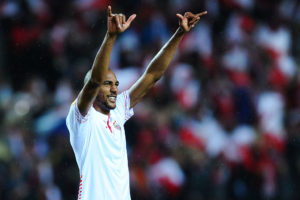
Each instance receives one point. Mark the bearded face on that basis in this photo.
(107, 96)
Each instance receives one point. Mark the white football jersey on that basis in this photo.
(99, 145)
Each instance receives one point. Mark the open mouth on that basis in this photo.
(112, 99)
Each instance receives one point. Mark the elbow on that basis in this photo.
(154, 76)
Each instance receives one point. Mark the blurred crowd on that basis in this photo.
(223, 123)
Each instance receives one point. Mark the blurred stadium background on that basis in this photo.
(223, 123)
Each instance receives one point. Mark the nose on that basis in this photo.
(114, 89)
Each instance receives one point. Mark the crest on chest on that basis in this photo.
(112, 124)
(116, 125)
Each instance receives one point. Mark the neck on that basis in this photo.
(101, 110)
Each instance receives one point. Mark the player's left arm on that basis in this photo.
(161, 61)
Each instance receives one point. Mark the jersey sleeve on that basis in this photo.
(79, 128)
(123, 107)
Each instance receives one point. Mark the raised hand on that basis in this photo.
(189, 20)
(116, 23)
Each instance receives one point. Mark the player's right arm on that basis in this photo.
(116, 24)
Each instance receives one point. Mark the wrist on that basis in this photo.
(180, 31)
(111, 35)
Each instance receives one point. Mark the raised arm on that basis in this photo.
(116, 24)
(161, 61)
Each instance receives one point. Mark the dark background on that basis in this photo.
(223, 123)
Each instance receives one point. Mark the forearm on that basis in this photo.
(162, 59)
(102, 59)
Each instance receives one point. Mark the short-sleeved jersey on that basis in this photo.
(99, 145)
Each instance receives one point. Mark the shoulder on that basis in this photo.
(123, 106)
(74, 115)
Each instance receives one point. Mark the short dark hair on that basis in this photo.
(88, 76)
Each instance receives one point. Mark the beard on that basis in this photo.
(107, 106)
(104, 104)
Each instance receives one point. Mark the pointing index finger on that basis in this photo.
(109, 11)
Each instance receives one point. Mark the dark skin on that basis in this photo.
(102, 87)
(116, 24)
(162, 59)
(107, 95)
